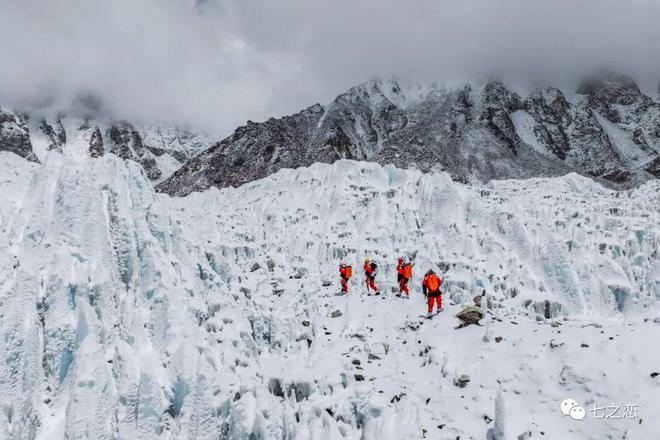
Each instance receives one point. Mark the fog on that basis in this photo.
(215, 64)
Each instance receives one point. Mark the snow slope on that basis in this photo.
(129, 314)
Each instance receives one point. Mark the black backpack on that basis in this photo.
(374, 266)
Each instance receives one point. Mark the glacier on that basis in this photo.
(130, 314)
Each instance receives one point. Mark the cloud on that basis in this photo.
(216, 64)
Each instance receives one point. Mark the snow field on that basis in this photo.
(128, 314)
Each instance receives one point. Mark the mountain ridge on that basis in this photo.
(159, 149)
(608, 129)
(475, 133)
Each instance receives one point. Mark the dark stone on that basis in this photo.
(470, 315)
(336, 314)
(462, 381)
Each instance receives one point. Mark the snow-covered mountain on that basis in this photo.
(126, 313)
(159, 149)
(607, 129)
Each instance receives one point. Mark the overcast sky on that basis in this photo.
(216, 63)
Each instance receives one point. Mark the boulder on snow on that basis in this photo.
(270, 264)
(470, 315)
(255, 267)
(462, 381)
(326, 283)
(554, 344)
(336, 314)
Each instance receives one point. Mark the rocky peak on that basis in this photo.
(158, 149)
(550, 104)
(374, 92)
(496, 95)
(55, 133)
(126, 142)
(15, 135)
(463, 104)
(96, 148)
(622, 88)
(363, 118)
(609, 92)
(497, 104)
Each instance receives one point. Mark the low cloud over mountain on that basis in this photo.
(216, 64)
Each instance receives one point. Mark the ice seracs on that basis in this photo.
(131, 314)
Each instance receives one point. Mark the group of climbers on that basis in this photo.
(430, 284)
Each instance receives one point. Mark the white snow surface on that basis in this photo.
(127, 314)
(524, 124)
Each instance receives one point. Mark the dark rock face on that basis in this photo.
(475, 133)
(254, 151)
(55, 133)
(550, 110)
(653, 167)
(126, 142)
(96, 143)
(14, 135)
(499, 103)
(620, 101)
(574, 134)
